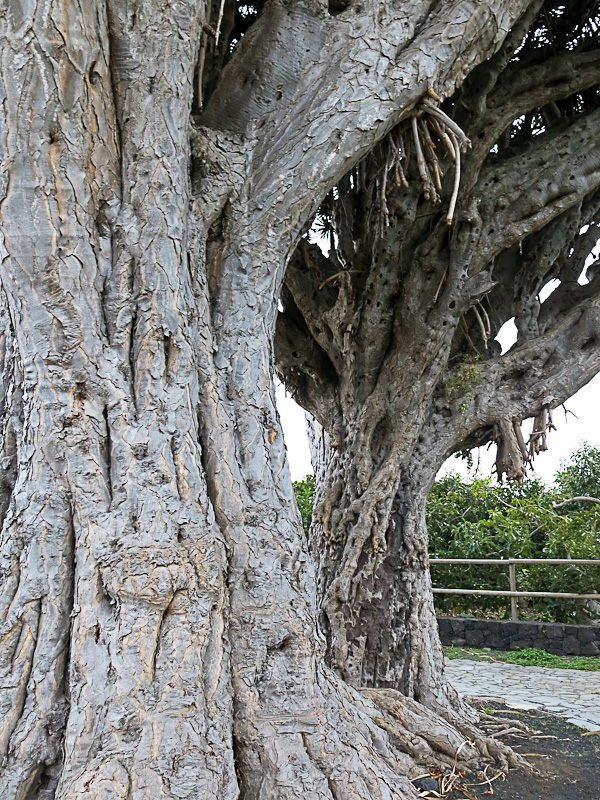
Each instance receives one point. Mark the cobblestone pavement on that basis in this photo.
(569, 693)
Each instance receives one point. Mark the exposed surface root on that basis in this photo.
(441, 738)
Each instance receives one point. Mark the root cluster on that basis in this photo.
(428, 128)
(456, 753)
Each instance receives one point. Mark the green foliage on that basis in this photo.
(581, 475)
(529, 657)
(463, 381)
(478, 519)
(305, 492)
(481, 519)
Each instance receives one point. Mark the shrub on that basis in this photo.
(478, 519)
(305, 492)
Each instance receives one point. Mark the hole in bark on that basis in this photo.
(281, 646)
(517, 374)
(215, 244)
(452, 304)
(95, 76)
(132, 356)
(168, 353)
(379, 441)
(337, 6)
(108, 453)
(140, 451)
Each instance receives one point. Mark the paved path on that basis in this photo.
(569, 693)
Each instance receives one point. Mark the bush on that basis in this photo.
(481, 519)
(305, 492)
(477, 519)
(580, 475)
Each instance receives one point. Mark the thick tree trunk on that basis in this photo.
(373, 574)
(158, 604)
(386, 614)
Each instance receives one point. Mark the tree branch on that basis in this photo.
(576, 500)
(524, 88)
(371, 66)
(507, 213)
(544, 371)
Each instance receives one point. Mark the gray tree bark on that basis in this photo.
(389, 339)
(158, 606)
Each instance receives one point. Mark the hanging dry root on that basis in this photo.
(542, 425)
(483, 321)
(512, 456)
(427, 123)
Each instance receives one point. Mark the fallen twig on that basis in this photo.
(489, 780)
(505, 732)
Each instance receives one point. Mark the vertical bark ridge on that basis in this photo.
(11, 405)
(149, 604)
(166, 722)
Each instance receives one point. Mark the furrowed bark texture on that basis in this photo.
(388, 341)
(158, 619)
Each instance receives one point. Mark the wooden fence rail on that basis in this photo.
(513, 593)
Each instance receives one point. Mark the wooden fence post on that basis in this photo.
(514, 605)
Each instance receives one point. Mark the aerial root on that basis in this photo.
(426, 121)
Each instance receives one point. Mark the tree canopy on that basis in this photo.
(449, 227)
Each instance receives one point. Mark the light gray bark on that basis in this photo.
(158, 633)
(389, 340)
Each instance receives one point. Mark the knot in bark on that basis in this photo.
(146, 574)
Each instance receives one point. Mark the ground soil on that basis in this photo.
(566, 759)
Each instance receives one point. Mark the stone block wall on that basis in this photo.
(563, 640)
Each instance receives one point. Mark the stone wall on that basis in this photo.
(553, 637)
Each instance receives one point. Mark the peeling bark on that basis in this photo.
(158, 618)
(389, 340)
